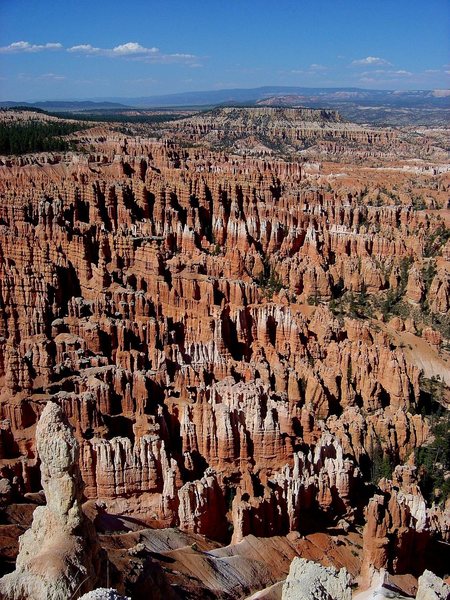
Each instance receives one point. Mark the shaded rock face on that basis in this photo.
(320, 484)
(399, 526)
(308, 580)
(59, 556)
(202, 507)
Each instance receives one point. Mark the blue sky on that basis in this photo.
(65, 49)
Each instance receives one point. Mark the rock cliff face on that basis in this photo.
(289, 126)
(270, 131)
(59, 556)
(234, 340)
(319, 485)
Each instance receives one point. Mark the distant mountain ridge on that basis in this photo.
(310, 96)
(320, 97)
(65, 105)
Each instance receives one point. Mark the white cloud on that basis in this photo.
(52, 77)
(134, 51)
(17, 47)
(43, 77)
(384, 76)
(316, 67)
(133, 48)
(371, 61)
(129, 50)
(386, 73)
(401, 73)
(85, 49)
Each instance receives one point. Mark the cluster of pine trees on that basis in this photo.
(36, 136)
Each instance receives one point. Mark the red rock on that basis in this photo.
(177, 303)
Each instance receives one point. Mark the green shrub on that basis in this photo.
(433, 459)
(436, 240)
(382, 465)
(269, 281)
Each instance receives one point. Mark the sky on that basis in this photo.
(78, 49)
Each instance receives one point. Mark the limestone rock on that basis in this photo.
(432, 587)
(308, 580)
(103, 594)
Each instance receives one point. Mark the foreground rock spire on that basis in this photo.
(59, 557)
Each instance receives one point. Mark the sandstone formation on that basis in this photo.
(243, 344)
(399, 527)
(59, 555)
(429, 587)
(320, 133)
(317, 485)
(309, 581)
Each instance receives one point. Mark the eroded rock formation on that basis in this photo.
(103, 594)
(235, 340)
(400, 527)
(59, 555)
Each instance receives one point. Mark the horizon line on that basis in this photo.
(218, 90)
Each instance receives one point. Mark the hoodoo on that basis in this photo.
(59, 556)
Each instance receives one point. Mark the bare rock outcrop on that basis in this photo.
(202, 507)
(59, 556)
(103, 594)
(308, 580)
(432, 587)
